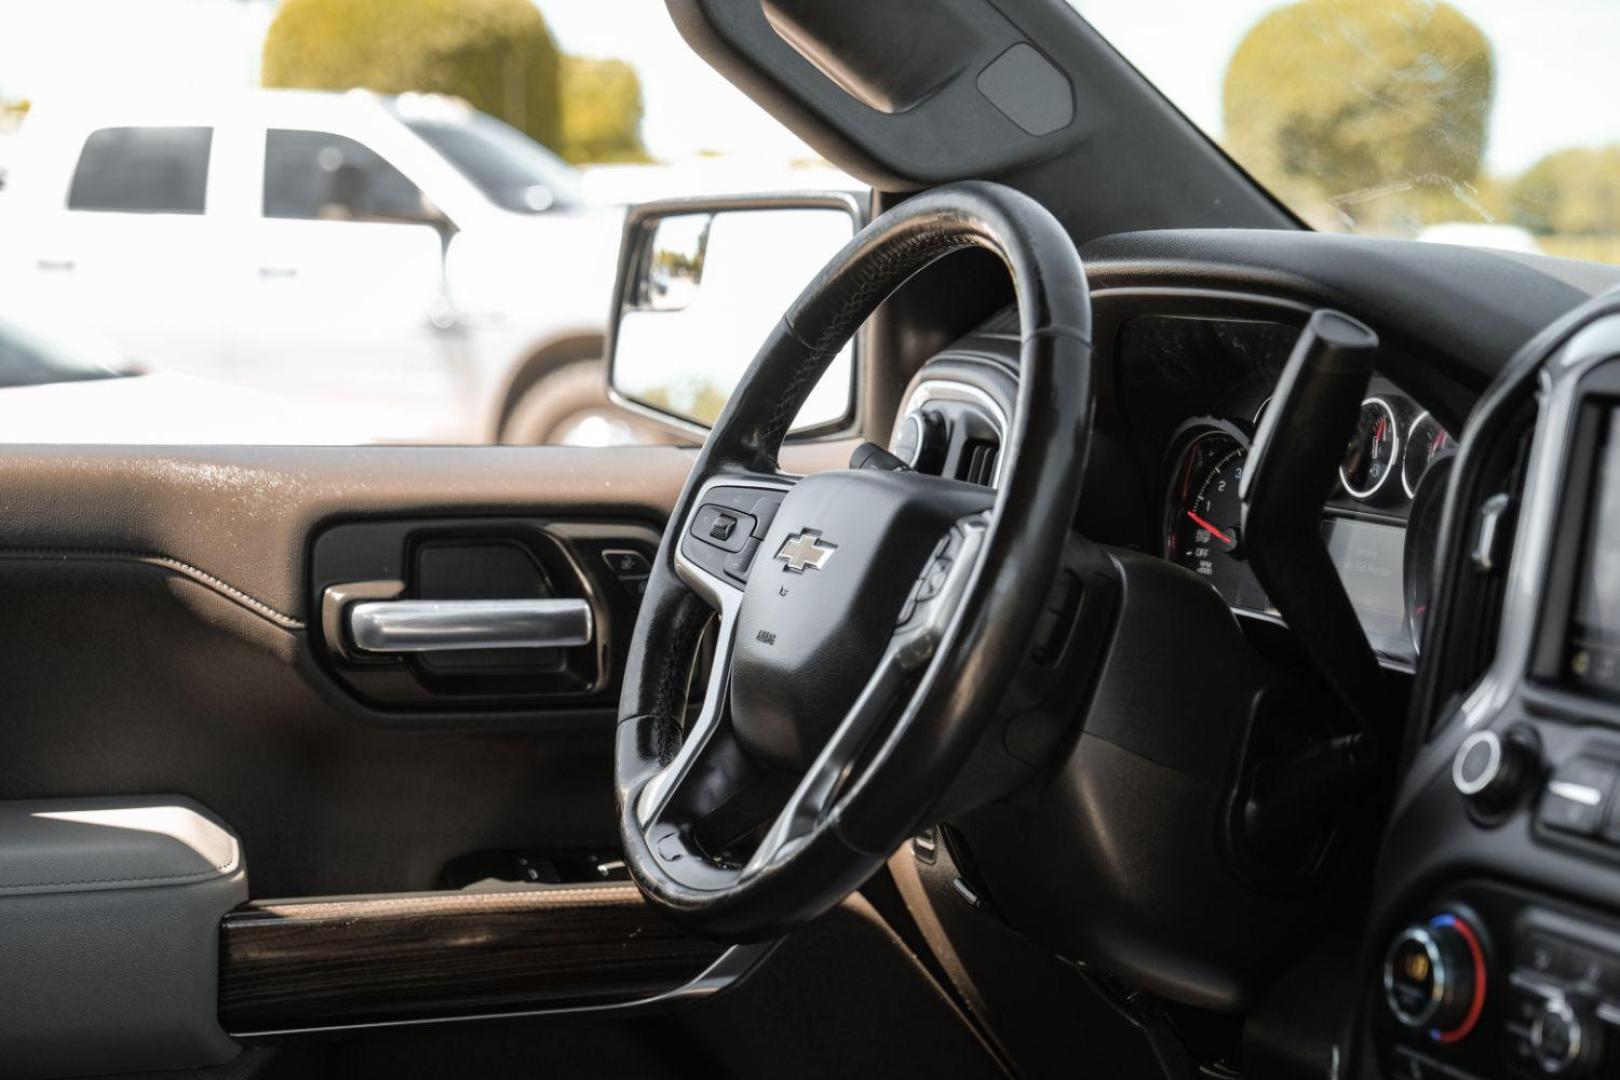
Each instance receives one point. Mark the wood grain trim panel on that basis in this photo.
(298, 964)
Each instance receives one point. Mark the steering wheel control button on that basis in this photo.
(721, 527)
(739, 562)
(669, 847)
(765, 513)
(1575, 797)
(1434, 978)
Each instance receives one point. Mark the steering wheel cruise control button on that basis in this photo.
(738, 563)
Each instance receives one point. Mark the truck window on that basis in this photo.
(314, 175)
(143, 170)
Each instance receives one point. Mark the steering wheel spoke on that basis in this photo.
(924, 619)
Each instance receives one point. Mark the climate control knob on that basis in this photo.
(1565, 1038)
(1434, 977)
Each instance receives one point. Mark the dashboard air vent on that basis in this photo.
(978, 462)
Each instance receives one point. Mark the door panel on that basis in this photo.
(156, 637)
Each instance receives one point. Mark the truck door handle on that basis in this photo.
(418, 626)
(57, 265)
(278, 271)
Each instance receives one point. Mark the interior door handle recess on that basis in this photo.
(418, 626)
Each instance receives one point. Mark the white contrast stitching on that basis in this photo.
(202, 577)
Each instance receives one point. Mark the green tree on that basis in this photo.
(1374, 111)
(602, 110)
(496, 54)
(1574, 192)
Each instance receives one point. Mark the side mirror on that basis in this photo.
(701, 283)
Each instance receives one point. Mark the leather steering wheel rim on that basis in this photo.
(930, 736)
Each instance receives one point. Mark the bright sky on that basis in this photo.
(1558, 78)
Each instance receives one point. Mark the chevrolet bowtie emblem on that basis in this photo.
(805, 550)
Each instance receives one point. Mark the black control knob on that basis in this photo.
(1434, 977)
(1566, 1038)
(923, 441)
(1491, 771)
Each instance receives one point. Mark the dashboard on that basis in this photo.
(1190, 387)
(1473, 933)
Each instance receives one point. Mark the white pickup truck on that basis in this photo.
(416, 266)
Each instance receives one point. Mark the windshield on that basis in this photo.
(512, 170)
(1483, 122)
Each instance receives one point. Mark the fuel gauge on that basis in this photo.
(1426, 443)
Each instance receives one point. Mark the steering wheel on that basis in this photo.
(866, 623)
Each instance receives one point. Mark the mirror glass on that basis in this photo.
(705, 294)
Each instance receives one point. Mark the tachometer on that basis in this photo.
(1426, 443)
(1203, 527)
(1374, 452)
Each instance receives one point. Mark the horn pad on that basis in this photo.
(822, 598)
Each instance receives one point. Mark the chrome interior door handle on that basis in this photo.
(415, 626)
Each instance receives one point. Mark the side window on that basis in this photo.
(143, 170)
(316, 176)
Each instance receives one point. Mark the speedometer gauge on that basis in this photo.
(1203, 525)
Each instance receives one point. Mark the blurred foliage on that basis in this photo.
(1574, 193)
(696, 399)
(602, 109)
(1363, 113)
(496, 54)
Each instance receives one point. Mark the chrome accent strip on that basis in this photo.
(415, 626)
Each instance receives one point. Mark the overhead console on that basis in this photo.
(1496, 941)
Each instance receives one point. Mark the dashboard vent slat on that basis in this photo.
(979, 462)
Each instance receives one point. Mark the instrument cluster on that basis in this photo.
(1380, 524)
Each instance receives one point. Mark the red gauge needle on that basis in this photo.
(1212, 530)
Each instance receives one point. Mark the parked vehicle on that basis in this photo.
(406, 259)
(64, 384)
